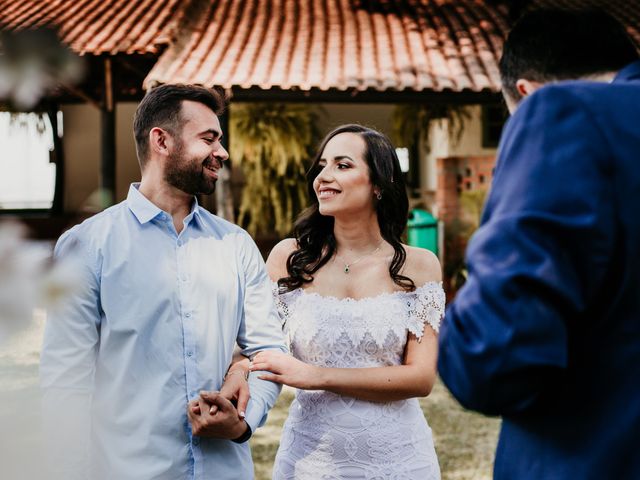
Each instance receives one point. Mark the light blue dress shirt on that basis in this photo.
(156, 321)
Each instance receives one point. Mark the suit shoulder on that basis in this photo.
(585, 93)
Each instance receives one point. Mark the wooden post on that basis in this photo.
(108, 138)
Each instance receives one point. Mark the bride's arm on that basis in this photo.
(414, 378)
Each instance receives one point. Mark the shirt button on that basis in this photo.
(189, 354)
(188, 314)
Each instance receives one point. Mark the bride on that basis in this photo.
(362, 312)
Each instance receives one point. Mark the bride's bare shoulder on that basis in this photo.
(277, 259)
(421, 265)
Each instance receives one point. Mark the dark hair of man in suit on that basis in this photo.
(549, 45)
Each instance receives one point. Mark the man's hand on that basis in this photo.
(224, 423)
(236, 390)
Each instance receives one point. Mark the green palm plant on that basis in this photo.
(410, 122)
(272, 143)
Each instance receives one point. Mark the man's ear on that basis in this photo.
(158, 140)
(527, 87)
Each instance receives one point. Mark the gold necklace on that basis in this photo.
(347, 266)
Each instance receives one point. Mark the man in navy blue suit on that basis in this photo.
(546, 330)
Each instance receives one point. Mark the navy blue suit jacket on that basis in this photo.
(546, 330)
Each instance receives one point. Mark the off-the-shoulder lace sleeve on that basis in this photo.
(427, 308)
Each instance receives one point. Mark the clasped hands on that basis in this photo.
(214, 415)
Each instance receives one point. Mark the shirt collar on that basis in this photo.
(629, 73)
(145, 210)
(195, 211)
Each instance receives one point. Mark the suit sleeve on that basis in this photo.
(260, 330)
(67, 365)
(536, 262)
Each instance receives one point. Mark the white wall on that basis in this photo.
(373, 115)
(471, 141)
(82, 153)
(127, 167)
(442, 145)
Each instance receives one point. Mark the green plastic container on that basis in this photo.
(422, 230)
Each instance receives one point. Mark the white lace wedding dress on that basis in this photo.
(329, 436)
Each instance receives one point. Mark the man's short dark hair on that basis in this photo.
(551, 44)
(161, 107)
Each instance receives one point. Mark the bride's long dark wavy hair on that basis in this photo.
(314, 231)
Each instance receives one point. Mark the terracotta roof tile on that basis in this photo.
(418, 45)
(99, 26)
(340, 44)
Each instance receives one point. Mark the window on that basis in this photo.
(493, 118)
(27, 178)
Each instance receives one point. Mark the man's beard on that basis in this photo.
(187, 174)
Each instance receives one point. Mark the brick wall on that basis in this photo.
(458, 174)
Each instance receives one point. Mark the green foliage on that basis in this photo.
(457, 235)
(272, 144)
(411, 122)
(472, 203)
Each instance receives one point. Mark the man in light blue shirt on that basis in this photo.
(169, 290)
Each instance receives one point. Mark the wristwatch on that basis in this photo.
(245, 436)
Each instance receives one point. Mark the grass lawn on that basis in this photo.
(465, 441)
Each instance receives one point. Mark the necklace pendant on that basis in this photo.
(346, 269)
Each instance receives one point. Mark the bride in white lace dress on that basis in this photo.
(361, 312)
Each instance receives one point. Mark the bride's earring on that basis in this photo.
(379, 195)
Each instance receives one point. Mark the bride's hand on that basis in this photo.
(285, 369)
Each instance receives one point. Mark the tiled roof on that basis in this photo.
(99, 26)
(339, 45)
(400, 45)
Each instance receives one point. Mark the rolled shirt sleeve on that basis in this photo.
(260, 329)
(536, 262)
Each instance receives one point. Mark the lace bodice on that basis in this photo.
(330, 436)
(334, 332)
